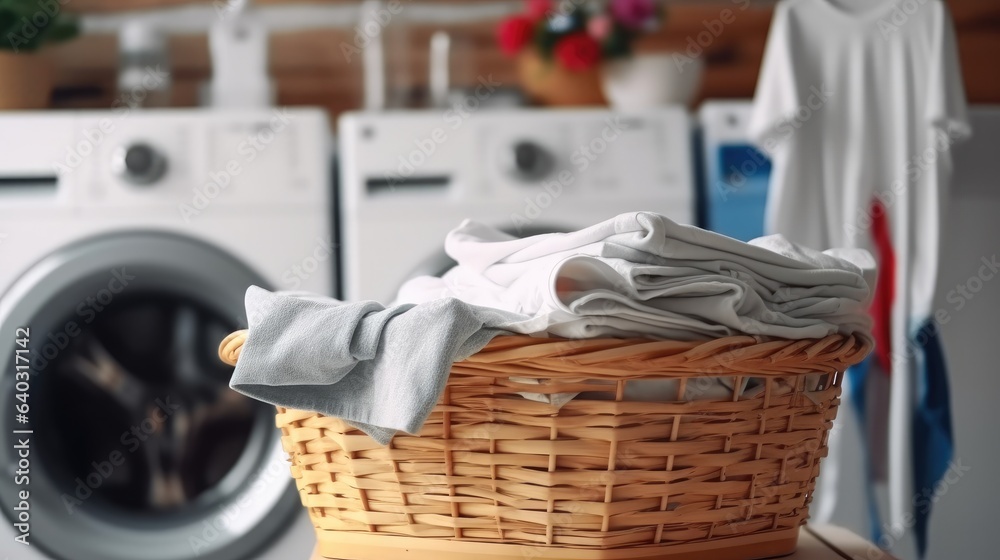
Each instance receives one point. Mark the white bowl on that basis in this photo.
(651, 80)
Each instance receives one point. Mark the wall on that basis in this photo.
(963, 518)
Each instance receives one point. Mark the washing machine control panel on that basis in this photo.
(171, 159)
(499, 154)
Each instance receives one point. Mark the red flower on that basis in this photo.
(578, 51)
(538, 9)
(513, 33)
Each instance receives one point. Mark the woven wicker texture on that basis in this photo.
(599, 473)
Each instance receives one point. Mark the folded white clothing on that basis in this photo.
(641, 274)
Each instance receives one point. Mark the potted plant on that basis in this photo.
(560, 45)
(25, 73)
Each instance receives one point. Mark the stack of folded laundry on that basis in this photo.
(641, 274)
(636, 275)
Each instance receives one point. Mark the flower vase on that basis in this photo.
(548, 83)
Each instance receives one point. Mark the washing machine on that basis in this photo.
(127, 241)
(408, 177)
(736, 174)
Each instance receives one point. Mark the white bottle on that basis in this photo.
(143, 66)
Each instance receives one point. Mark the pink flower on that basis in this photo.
(633, 14)
(599, 27)
(538, 9)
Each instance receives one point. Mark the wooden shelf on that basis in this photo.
(821, 542)
(310, 69)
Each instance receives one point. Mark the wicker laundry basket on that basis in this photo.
(494, 475)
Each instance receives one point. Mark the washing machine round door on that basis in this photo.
(131, 444)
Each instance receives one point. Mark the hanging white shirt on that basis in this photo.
(857, 105)
(856, 102)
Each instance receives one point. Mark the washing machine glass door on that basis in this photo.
(138, 448)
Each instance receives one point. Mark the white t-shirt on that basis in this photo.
(850, 105)
(860, 101)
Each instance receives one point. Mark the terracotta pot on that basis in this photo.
(25, 80)
(548, 83)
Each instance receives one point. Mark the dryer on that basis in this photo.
(408, 177)
(127, 240)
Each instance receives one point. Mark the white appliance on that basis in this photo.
(127, 240)
(407, 178)
(735, 174)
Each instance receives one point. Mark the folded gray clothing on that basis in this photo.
(380, 369)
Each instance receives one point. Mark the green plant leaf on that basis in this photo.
(8, 23)
(545, 40)
(579, 18)
(19, 8)
(618, 43)
(63, 30)
(21, 18)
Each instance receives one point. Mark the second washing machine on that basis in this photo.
(408, 177)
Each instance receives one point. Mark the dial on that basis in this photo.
(530, 160)
(139, 163)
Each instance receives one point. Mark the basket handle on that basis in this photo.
(229, 349)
